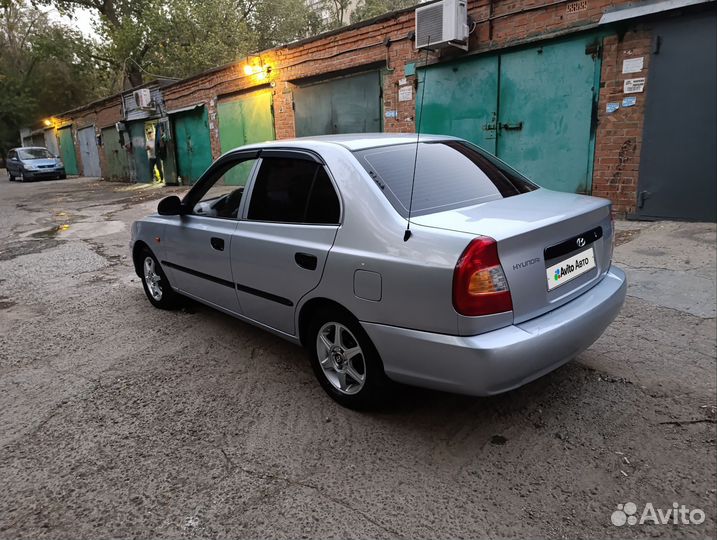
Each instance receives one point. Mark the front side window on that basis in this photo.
(448, 175)
(34, 153)
(290, 190)
(222, 195)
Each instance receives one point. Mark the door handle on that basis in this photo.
(512, 127)
(217, 243)
(306, 260)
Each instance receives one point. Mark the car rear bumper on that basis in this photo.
(503, 359)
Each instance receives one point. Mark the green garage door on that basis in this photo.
(533, 108)
(67, 150)
(244, 120)
(346, 105)
(193, 147)
(115, 155)
(140, 161)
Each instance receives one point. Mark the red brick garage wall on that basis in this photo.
(619, 134)
(384, 44)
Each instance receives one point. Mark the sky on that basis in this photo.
(82, 20)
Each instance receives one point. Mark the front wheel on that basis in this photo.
(346, 362)
(155, 283)
(11, 178)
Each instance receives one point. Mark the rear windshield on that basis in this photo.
(34, 153)
(449, 174)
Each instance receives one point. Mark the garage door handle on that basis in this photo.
(512, 127)
(306, 260)
(217, 243)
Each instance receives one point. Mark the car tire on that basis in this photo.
(357, 381)
(155, 283)
(11, 178)
(62, 177)
(21, 176)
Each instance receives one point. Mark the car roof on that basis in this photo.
(352, 141)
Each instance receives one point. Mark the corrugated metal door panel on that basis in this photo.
(139, 152)
(347, 105)
(461, 99)
(116, 155)
(678, 159)
(67, 150)
(546, 106)
(244, 120)
(88, 152)
(51, 142)
(194, 153)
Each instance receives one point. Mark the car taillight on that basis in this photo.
(479, 284)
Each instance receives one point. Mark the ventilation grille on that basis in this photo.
(429, 25)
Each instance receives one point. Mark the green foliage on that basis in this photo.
(367, 9)
(176, 38)
(45, 67)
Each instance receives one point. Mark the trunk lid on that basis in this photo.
(535, 232)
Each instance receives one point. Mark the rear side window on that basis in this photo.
(293, 191)
(449, 174)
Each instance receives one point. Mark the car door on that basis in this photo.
(12, 163)
(197, 244)
(280, 246)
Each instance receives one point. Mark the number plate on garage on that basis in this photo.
(570, 268)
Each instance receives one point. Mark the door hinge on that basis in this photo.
(644, 195)
(594, 49)
(656, 44)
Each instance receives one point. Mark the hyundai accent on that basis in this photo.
(430, 262)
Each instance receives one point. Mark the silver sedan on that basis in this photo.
(430, 263)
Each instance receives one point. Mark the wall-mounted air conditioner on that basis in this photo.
(442, 24)
(143, 98)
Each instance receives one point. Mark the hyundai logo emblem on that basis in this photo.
(580, 241)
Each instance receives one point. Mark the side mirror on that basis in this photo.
(170, 206)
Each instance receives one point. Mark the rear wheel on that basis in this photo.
(345, 361)
(155, 282)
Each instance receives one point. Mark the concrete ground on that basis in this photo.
(120, 420)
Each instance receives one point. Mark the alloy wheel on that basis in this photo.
(152, 279)
(341, 358)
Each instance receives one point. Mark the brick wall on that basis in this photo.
(619, 133)
(100, 114)
(385, 43)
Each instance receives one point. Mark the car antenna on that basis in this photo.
(407, 233)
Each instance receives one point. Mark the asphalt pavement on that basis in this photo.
(120, 420)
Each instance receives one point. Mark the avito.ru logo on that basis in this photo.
(677, 515)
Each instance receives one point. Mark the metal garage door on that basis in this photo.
(346, 105)
(193, 147)
(88, 152)
(532, 107)
(115, 155)
(139, 166)
(678, 160)
(67, 150)
(244, 120)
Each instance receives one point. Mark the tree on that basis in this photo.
(367, 9)
(45, 67)
(177, 38)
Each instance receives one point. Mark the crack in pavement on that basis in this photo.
(317, 489)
